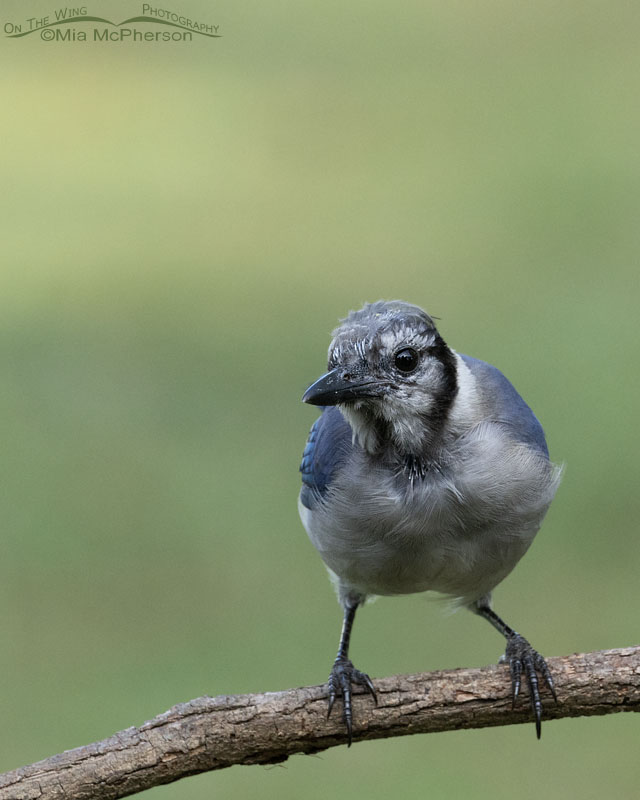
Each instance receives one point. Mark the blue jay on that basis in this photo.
(426, 470)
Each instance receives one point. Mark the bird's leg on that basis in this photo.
(521, 657)
(343, 673)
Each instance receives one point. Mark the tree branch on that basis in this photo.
(215, 732)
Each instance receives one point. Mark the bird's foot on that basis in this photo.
(521, 657)
(343, 674)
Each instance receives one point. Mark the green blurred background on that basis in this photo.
(182, 225)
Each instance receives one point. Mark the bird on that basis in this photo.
(426, 471)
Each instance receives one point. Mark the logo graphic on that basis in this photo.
(161, 25)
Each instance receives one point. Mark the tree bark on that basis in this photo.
(215, 732)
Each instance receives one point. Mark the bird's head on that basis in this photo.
(392, 376)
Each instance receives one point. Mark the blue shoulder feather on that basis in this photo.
(508, 408)
(327, 447)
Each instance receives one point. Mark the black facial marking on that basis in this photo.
(415, 468)
(444, 399)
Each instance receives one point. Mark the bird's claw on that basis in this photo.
(343, 675)
(521, 657)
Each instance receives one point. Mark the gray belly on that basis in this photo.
(382, 535)
(395, 556)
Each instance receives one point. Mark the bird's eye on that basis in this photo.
(406, 360)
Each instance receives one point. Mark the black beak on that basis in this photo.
(339, 386)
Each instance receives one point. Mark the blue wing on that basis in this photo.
(327, 447)
(506, 406)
